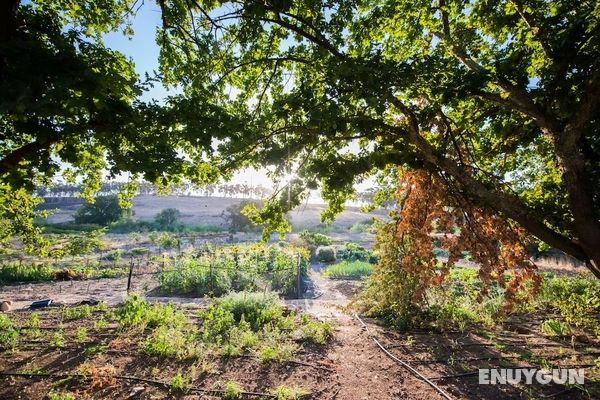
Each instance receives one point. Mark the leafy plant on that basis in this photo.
(20, 272)
(81, 335)
(554, 327)
(232, 390)
(315, 238)
(168, 218)
(9, 335)
(79, 312)
(58, 339)
(60, 396)
(103, 211)
(326, 254)
(355, 252)
(236, 268)
(180, 383)
(171, 342)
(284, 392)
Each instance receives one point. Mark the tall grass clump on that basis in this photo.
(349, 270)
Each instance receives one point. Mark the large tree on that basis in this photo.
(69, 105)
(499, 98)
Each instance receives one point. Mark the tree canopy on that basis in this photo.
(497, 98)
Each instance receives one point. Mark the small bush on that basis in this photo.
(316, 332)
(171, 342)
(250, 310)
(168, 218)
(236, 268)
(85, 244)
(315, 239)
(355, 252)
(103, 211)
(326, 254)
(283, 392)
(167, 241)
(60, 396)
(136, 311)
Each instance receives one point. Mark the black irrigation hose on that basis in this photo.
(404, 364)
(138, 379)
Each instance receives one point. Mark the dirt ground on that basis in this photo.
(353, 366)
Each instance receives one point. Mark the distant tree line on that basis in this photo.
(112, 188)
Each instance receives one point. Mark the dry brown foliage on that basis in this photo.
(431, 209)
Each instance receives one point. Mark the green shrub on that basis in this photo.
(326, 254)
(246, 309)
(349, 270)
(103, 211)
(168, 218)
(315, 331)
(16, 272)
(171, 342)
(577, 298)
(85, 244)
(136, 311)
(315, 239)
(232, 390)
(167, 241)
(61, 396)
(194, 276)
(355, 252)
(283, 392)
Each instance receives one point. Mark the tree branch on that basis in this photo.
(12, 160)
(510, 206)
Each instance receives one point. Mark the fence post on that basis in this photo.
(129, 277)
(299, 277)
